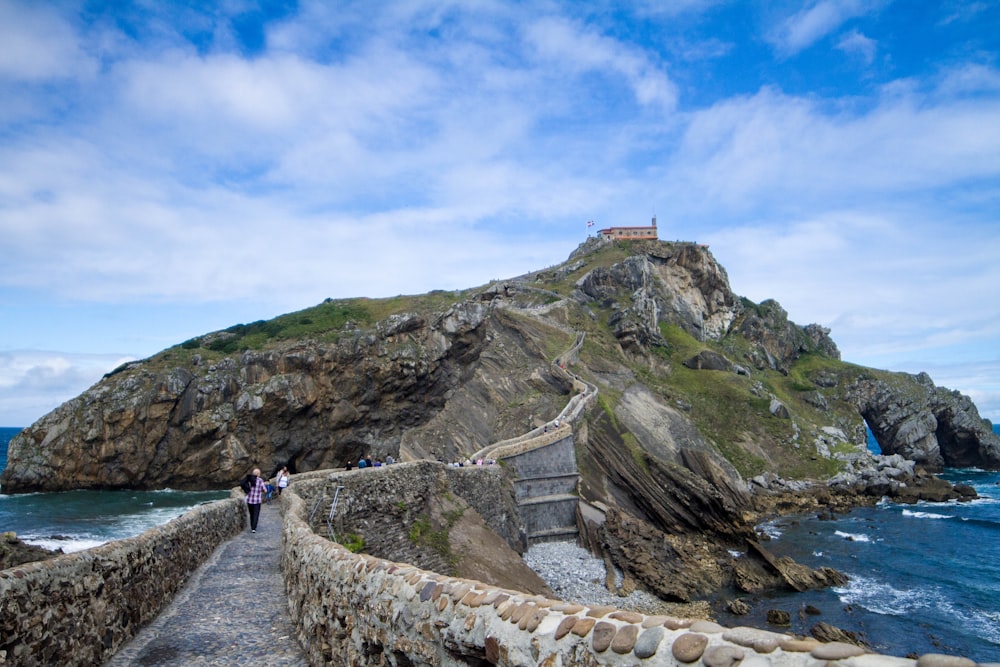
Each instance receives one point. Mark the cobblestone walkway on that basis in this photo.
(231, 612)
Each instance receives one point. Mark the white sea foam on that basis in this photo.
(926, 515)
(68, 545)
(735, 554)
(881, 598)
(986, 624)
(854, 537)
(770, 528)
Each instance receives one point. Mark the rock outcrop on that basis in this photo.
(15, 552)
(929, 425)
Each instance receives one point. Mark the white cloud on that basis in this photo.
(35, 382)
(856, 43)
(807, 26)
(567, 47)
(770, 148)
(39, 44)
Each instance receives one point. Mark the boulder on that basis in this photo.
(14, 552)
(825, 632)
(710, 361)
(779, 617)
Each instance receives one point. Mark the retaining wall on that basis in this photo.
(545, 481)
(355, 609)
(79, 608)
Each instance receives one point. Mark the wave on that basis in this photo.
(880, 598)
(68, 544)
(770, 528)
(986, 624)
(983, 523)
(853, 537)
(926, 515)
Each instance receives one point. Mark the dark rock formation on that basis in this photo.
(779, 341)
(306, 405)
(825, 632)
(929, 425)
(15, 552)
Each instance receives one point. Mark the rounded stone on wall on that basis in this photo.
(583, 626)
(689, 647)
(723, 656)
(492, 650)
(602, 636)
(942, 660)
(648, 642)
(625, 639)
(565, 626)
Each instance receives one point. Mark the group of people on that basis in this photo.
(367, 461)
(260, 491)
(470, 462)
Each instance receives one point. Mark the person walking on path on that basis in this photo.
(282, 479)
(255, 496)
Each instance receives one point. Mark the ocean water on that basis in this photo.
(924, 578)
(77, 520)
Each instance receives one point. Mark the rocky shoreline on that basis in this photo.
(14, 552)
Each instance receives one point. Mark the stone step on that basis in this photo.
(552, 476)
(542, 500)
(552, 535)
(546, 486)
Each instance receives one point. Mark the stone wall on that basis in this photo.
(79, 608)
(384, 504)
(356, 609)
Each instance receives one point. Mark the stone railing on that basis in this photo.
(79, 608)
(356, 609)
(516, 446)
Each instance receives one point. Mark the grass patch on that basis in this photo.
(423, 533)
(353, 542)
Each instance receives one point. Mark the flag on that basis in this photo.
(590, 223)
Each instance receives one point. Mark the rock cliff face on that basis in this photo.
(708, 403)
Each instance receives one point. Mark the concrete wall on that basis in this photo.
(79, 608)
(355, 609)
(550, 485)
(545, 481)
(549, 513)
(558, 457)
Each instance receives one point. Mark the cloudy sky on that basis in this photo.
(168, 170)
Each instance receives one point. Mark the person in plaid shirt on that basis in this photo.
(255, 497)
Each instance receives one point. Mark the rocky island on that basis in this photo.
(710, 411)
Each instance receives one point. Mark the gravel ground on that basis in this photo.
(577, 576)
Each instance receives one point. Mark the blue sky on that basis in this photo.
(168, 170)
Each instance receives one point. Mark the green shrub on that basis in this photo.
(353, 542)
